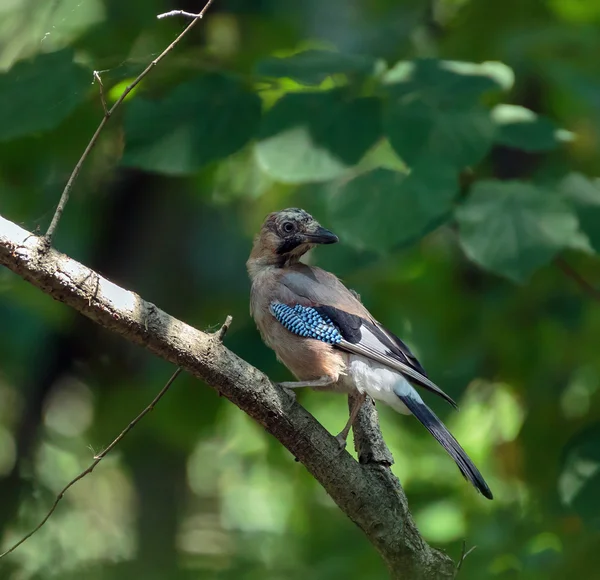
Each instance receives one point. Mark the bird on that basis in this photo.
(326, 337)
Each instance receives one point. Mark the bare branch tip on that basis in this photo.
(108, 112)
(179, 13)
(223, 330)
(98, 79)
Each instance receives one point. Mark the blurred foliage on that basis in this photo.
(452, 144)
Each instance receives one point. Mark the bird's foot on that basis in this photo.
(341, 440)
(291, 393)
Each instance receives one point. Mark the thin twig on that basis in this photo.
(179, 13)
(101, 87)
(65, 194)
(223, 330)
(577, 278)
(463, 556)
(97, 459)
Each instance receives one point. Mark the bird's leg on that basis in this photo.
(320, 382)
(343, 435)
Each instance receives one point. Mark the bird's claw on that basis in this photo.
(341, 440)
(290, 392)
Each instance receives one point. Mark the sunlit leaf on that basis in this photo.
(316, 136)
(461, 81)
(382, 208)
(203, 120)
(382, 155)
(312, 67)
(37, 95)
(512, 228)
(115, 93)
(498, 72)
(521, 128)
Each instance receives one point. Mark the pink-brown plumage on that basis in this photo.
(306, 358)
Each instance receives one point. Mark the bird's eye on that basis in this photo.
(288, 227)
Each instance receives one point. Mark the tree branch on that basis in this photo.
(368, 440)
(369, 494)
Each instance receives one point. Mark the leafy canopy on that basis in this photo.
(433, 113)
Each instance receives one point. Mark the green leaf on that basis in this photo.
(584, 194)
(37, 95)
(433, 111)
(316, 136)
(462, 135)
(579, 481)
(382, 209)
(512, 228)
(521, 128)
(312, 67)
(203, 120)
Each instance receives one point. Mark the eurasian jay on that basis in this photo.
(329, 341)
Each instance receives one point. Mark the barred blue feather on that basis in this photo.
(306, 321)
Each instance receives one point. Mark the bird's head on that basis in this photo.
(286, 235)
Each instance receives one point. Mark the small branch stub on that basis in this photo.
(98, 79)
(225, 328)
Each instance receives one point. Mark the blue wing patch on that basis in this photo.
(306, 321)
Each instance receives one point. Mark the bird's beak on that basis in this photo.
(321, 236)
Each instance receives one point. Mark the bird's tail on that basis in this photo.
(433, 424)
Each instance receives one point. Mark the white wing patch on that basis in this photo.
(379, 381)
(371, 347)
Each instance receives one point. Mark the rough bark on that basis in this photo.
(368, 493)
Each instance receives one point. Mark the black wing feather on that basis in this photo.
(401, 349)
(348, 324)
(353, 329)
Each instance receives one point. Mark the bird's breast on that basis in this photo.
(306, 358)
